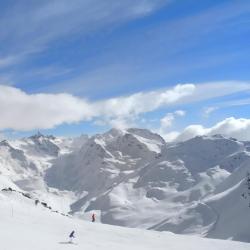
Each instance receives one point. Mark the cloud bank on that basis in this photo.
(230, 127)
(22, 111)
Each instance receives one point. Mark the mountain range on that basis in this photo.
(133, 178)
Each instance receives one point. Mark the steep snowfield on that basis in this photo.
(202, 152)
(26, 226)
(133, 178)
(231, 203)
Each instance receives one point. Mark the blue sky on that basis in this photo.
(100, 52)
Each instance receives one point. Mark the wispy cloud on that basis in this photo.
(159, 52)
(226, 104)
(209, 90)
(11, 59)
(207, 111)
(32, 27)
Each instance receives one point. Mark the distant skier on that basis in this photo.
(93, 217)
(71, 236)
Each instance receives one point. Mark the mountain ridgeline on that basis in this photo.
(134, 178)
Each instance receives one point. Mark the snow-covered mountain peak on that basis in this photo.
(107, 156)
(108, 137)
(116, 138)
(145, 133)
(40, 136)
(39, 145)
(4, 143)
(203, 152)
(114, 132)
(7, 148)
(37, 135)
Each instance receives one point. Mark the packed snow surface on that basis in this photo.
(26, 226)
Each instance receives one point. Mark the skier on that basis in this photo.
(71, 236)
(93, 217)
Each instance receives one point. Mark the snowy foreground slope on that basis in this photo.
(26, 226)
(133, 178)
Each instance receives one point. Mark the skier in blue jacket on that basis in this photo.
(71, 236)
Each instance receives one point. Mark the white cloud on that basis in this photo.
(167, 121)
(22, 111)
(230, 127)
(170, 136)
(226, 104)
(209, 90)
(209, 110)
(117, 122)
(122, 112)
(144, 101)
(180, 112)
(122, 123)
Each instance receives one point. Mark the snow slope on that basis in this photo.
(26, 226)
(132, 178)
(231, 203)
